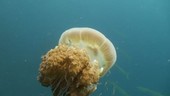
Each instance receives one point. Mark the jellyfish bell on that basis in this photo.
(75, 65)
(98, 47)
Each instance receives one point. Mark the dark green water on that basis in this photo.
(139, 29)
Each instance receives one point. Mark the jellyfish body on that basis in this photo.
(97, 46)
(74, 67)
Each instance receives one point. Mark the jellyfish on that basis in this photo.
(73, 68)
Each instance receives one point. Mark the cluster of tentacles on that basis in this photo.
(69, 71)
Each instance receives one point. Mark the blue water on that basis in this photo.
(139, 29)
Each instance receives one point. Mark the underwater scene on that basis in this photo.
(85, 48)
